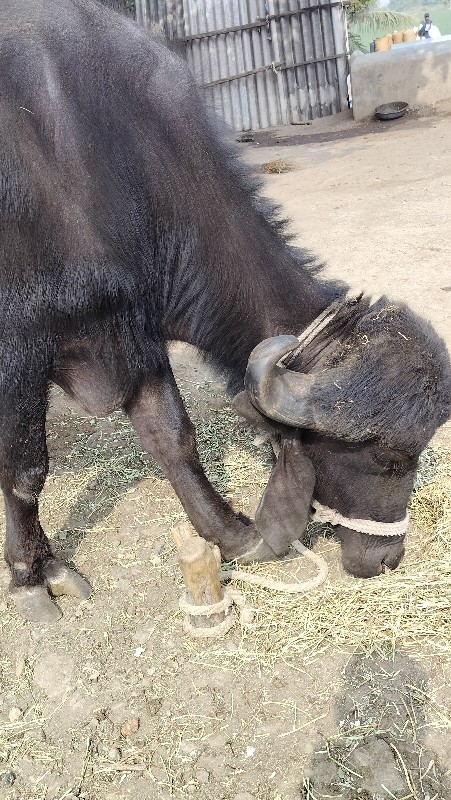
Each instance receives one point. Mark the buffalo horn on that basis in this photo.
(280, 394)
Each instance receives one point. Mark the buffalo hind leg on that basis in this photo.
(167, 434)
(23, 470)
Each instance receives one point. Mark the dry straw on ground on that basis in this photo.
(278, 166)
(94, 470)
(104, 496)
(408, 608)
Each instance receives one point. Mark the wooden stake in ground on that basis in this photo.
(200, 564)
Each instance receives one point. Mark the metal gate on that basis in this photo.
(262, 62)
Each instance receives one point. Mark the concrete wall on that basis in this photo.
(418, 75)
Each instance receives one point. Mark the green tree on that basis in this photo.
(366, 22)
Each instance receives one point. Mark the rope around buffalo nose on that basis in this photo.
(233, 596)
(369, 526)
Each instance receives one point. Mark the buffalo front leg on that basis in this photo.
(167, 434)
(23, 469)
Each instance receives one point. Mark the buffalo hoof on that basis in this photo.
(260, 552)
(34, 604)
(62, 580)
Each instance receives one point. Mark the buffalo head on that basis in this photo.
(355, 407)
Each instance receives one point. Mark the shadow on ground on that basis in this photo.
(382, 747)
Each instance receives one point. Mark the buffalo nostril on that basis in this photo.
(393, 561)
(362, 569)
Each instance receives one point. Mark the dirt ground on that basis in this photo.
(309, 701)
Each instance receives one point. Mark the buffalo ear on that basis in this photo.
(244, 408)
(283, 511)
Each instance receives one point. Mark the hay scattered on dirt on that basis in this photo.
(410, 607)
(382, 718)
(431, 502)
(105, 496)
(278, 166)
(101, 462)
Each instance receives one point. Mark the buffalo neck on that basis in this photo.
(243, 283)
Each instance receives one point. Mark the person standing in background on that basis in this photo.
(427, 29)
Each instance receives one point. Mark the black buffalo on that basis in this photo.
(126, 222)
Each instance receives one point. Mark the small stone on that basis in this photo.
(375, 762)
(325, 773)
(219, 741)
(54, 673)
(217, 402)
(8, 778)
(188, 749)
(118, 713)
(202, 775)
(15, 714)
(153, 705)
(159, 774)
(114, 754)
(247, 616)
(37, 735)
(130, 727)
(94, 676)
(20, 666)
(187, 777)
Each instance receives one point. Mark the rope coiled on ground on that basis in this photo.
(233, 596)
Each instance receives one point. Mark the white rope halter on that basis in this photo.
(369, 526)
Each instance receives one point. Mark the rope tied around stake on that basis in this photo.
(203, 581)
(231, 597)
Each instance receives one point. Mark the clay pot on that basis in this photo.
(397, 37)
